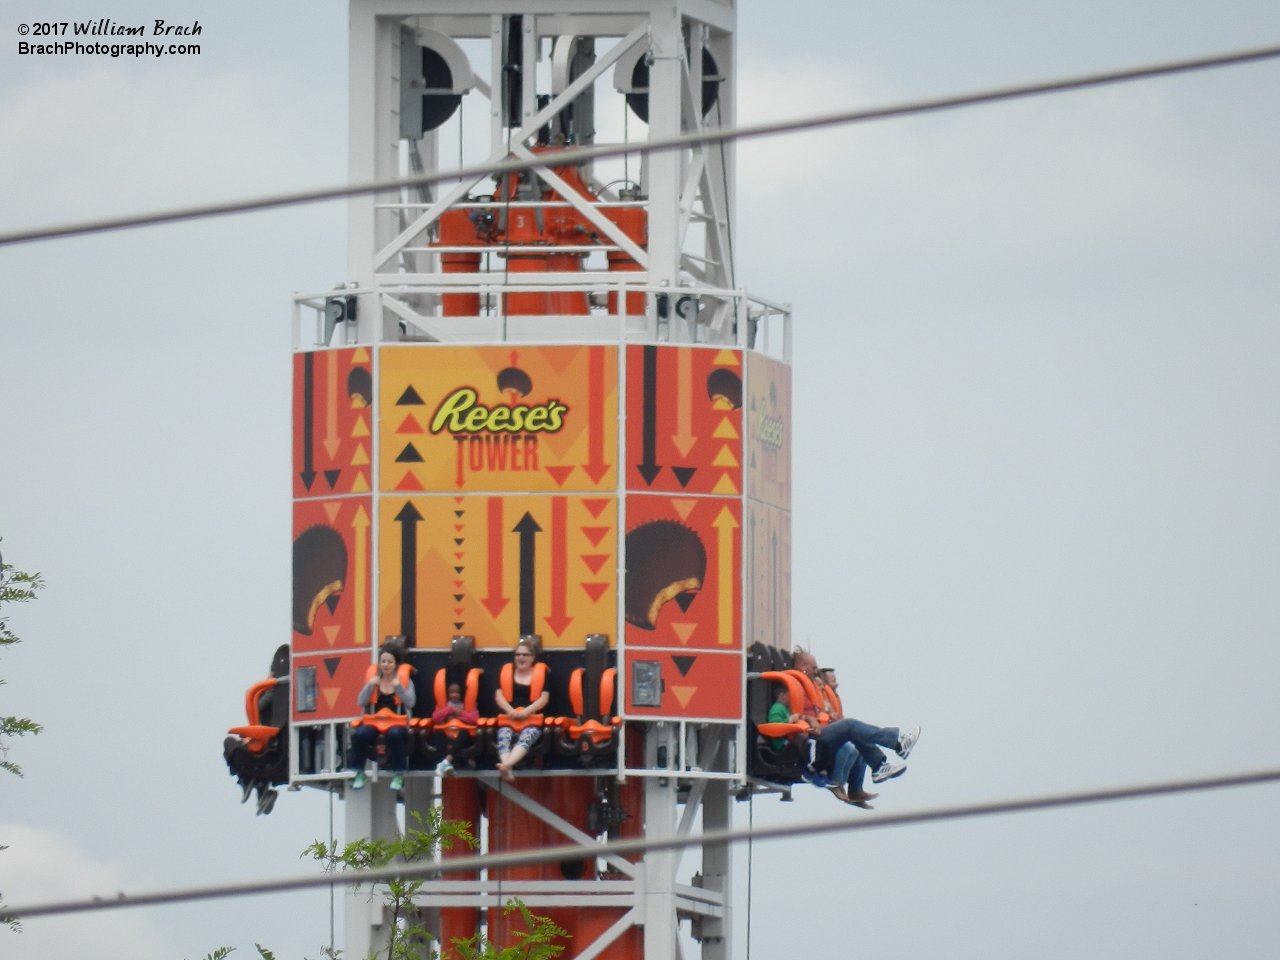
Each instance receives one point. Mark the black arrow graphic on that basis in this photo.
(649, 431)
(684, 474)
(408, 519)
(527, 527)
(409, 454)
(409, 398)
(308, 474)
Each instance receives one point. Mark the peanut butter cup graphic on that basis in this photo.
(724, 387)
(359, 388)
(665, 561)
(514, 380)
(319, 573)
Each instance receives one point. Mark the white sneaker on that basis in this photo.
(888, 770)
(906, 741)
(444, 768)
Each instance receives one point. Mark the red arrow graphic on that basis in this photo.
(557, 621)
(495, 602)
(331, 439)
(595, 467)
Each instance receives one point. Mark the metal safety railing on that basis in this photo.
(408, 308)
(318, 752)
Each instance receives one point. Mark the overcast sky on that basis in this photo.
(1036, 465)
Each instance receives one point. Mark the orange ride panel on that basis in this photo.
(332, 407)
(684, 572)
(497, 567)
(693, 684)
(768, 424)
(684, 419)
(332, 573)
(520, 419)
(338, 678)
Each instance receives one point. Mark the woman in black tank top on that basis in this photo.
(520, 706)
(383, 692)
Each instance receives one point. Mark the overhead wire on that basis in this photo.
(586, 154)
(416, 871)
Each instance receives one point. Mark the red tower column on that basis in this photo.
(458, 230)
(569, 797)
(523, 229)
(630, 796)
(512, 828)
(634, 223)
(460, 800)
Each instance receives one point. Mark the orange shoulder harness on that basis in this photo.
(469, 693)
(507, 681)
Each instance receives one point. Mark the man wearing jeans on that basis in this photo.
(865, 739)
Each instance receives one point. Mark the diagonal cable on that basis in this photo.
(573, 157)
(643, 845)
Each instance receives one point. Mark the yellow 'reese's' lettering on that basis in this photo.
(498, 418)
(460, 412)
(451, 409)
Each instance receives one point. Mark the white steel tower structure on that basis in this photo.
(544, 405)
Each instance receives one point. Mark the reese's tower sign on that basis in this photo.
(640, 492)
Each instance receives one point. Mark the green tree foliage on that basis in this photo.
(15, 587)
(535, 942)
(420, 841)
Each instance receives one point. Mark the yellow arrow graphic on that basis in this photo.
(725, 524)
(360, 523)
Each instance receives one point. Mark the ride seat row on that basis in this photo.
(588, 733)
(770, 666)
(257, 752)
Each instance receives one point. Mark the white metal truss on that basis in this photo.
(518, 137)
(687, 194)
(649, 890)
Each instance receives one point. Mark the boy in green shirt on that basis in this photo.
(780, 712)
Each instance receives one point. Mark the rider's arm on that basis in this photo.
(408, 695)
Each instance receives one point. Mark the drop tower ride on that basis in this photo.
(544, 405)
